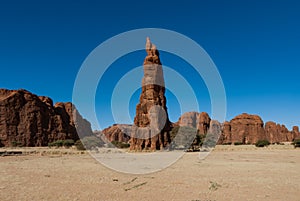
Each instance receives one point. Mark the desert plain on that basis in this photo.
(228, 173)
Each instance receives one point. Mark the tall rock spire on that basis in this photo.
(151, 123)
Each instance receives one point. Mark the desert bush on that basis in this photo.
(262, 143)
(296, 143)
(237, 143)
(59, 143)
(16, 144)
(120, 145)
(227, 143)
(68, 143)
(79, 146)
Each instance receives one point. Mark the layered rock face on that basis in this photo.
(248, 129)
(118, 133)
(31, 120)
(200, 121)
(244, 128)
(151, 123)
(279, 133)
(295, 132)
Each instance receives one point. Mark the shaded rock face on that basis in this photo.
(32, 120)
(295, 132)
(226, 134)
(118, 133)
(215, 127)
(201, 121)
(277, 133)
(244, 128)
(151, 123)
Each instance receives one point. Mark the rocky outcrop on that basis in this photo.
(201, 121)
(248, 129)
(244, 128)
(225, 138)
(118, 133)
(295, 132)
(151, 123)
(30, 120)
(277, 133)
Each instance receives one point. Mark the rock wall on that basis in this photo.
(31, 120)
(277, 133)
(248, 129)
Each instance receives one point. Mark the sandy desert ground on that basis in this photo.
(228, 173)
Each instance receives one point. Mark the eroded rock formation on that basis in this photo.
(277, 133)
(151, 123)
(31, 120)
(247, 129)
(201, 121)
(118, 133)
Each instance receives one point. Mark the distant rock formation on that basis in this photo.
(118, 133)
(201, 121)
(244, 128)
(151, 123)
(248, 129)
(30, 120)
(295, 132)
(278, 133)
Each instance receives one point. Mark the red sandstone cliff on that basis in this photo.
(31, 120)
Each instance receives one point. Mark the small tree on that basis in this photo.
(78, 144)
(68, 143)
(120, 145)
(296, 143)
(262, 143)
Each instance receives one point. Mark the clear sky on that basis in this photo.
(254, 44)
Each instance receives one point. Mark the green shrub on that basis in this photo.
(78, 144)
(68, 143)
(262, 143)
(237, 143)
(16, 144)
(296, 143)
(227, 143)
(120, 145)
(57, 143)
(60, 143)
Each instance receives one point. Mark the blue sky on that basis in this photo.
(254, 44)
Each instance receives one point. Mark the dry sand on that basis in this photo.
(228, 173)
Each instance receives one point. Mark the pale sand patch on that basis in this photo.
(228, 173)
